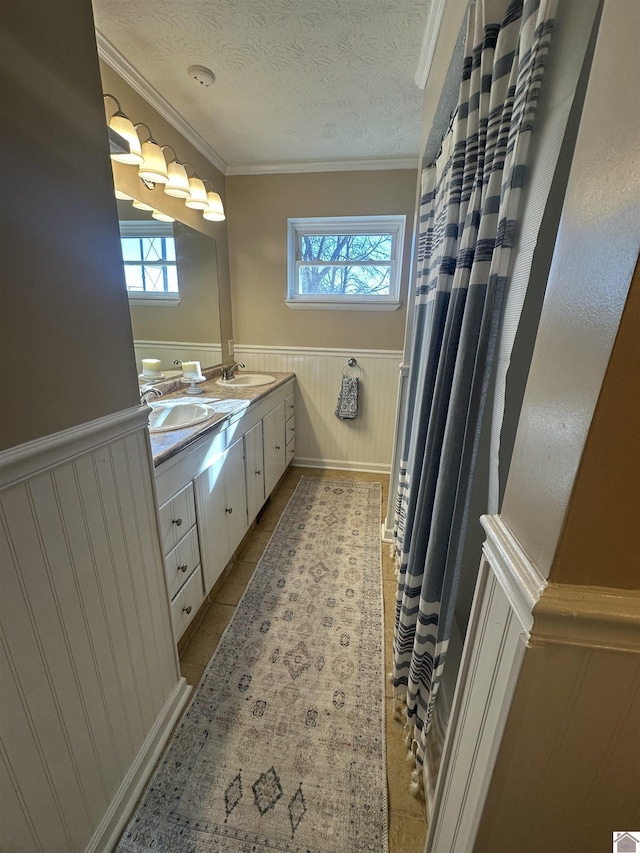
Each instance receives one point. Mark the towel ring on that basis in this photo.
(352, 363)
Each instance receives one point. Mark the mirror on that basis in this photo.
(182, 325)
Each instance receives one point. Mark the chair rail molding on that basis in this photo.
(519, 578)
(34, 457)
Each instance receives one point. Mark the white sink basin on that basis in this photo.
(247, 380)
(177, 414)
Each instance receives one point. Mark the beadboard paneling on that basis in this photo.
(322, 439)
(170, 351)
(88, 658)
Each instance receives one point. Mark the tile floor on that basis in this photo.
(407, 828)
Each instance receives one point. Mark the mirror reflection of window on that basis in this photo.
(149, 255)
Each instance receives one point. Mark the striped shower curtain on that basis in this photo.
(468, 216)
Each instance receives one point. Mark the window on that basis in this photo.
(150, 268)
(345, 262)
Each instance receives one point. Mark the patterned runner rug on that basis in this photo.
(282, 747)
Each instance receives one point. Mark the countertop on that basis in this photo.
(227, 402)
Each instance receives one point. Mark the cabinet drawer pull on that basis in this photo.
(258, 473)
(183, 568)
(277, 447)
(177, 522)
(187, 610)
(229, 509)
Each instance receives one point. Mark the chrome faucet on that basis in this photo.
(147, 393)
(227, 371)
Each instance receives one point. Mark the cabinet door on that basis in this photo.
(274, 447)
(222, 511)
(235, 495)
(212, 521)
(254, 470)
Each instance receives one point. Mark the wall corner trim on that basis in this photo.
(588, 616)
(519, 578)
(41, 454)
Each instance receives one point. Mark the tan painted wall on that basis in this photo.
(593, 262)
(600, 544)
(66, 354)
(258, 209)
(126, 178)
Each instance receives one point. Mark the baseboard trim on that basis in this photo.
(106, 835)
(41, 454)
(519, 578)
(591, 617)
(341, 465)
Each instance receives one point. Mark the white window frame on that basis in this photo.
(393, 224)
(145, 228)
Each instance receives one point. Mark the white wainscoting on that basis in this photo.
(507, 589)
(515, 610)
(170, 351)
(90, 678)
(322, 439)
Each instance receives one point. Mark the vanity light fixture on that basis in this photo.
(140, 205)
(178, 182)
(122, 196)
(214, 211)
(198, 194)
(122, 124)
(162, 217)
(153, 169)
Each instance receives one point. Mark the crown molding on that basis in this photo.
(435, 14)
(325, 166)
(132, 76)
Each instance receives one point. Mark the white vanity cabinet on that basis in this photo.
(212, 490)
(275, 460)
(222, 504)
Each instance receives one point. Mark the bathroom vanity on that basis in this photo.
(213, 479)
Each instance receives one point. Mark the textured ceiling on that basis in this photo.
(297, 81)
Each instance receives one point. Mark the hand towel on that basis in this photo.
(347, 408)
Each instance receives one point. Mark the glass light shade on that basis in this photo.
(124, 126)
(178, 183)
(141, 205)
(162, 217)
(122, 196)
(214, 211)
(198, 195)
(154, 167)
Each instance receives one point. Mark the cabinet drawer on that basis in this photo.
(291, 451)
(290, 430)
(186, 603)
(181, 561)
(289, 406)
(176, 517)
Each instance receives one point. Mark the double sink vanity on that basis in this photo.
(217, 460)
